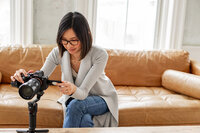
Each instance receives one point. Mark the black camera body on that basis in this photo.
(34, 83)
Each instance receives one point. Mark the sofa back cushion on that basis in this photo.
(144, 68)
(29, 57)
(0, 77)
(137, 68)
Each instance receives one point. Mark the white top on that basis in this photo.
(74, 74)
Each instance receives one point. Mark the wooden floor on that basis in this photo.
(141, 129)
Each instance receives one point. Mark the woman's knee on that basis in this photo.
(87, 121)
(75, 106)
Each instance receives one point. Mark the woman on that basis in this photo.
(88, 94)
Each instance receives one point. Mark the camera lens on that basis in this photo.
(29, 89)
(26, 92)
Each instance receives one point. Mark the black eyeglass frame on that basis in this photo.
(72, 42)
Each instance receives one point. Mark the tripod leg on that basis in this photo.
(42, 131)
(32, 107)
(22, 131)
(36, 131)
(32, 116)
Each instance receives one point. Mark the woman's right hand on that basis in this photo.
(17, 76)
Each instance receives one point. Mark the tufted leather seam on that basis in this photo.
(42, 55)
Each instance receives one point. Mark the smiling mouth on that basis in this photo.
(71, 49)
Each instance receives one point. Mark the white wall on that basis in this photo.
(46, 18)
(191, 38)
(48, 13)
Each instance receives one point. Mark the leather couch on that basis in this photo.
(137, 76)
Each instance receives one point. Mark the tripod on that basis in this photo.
(32, 107)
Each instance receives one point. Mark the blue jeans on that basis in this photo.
(79, 113)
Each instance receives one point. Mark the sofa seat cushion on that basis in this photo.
(14, 109)
(156, 106)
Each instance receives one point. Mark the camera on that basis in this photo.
(34, 83)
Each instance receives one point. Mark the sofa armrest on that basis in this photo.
(195, 67)
(182, 82)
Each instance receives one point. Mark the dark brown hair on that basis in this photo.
(79, 24)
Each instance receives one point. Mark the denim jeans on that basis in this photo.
(79, 113)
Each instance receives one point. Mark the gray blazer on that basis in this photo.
(91, 80)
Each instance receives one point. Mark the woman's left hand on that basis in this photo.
(66, 87)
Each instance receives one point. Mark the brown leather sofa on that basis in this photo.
(137, 76)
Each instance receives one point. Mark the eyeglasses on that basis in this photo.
(72, 42)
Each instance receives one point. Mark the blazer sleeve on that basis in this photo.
(99, 62)
(51, 62)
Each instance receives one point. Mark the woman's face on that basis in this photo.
(71, 42)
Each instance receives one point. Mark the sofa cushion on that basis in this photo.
(140, 106)
(181, 82)
(138, 68)
(14, 110)
(0, 77)
(27, 57)
(195, 67)
(144, 68)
